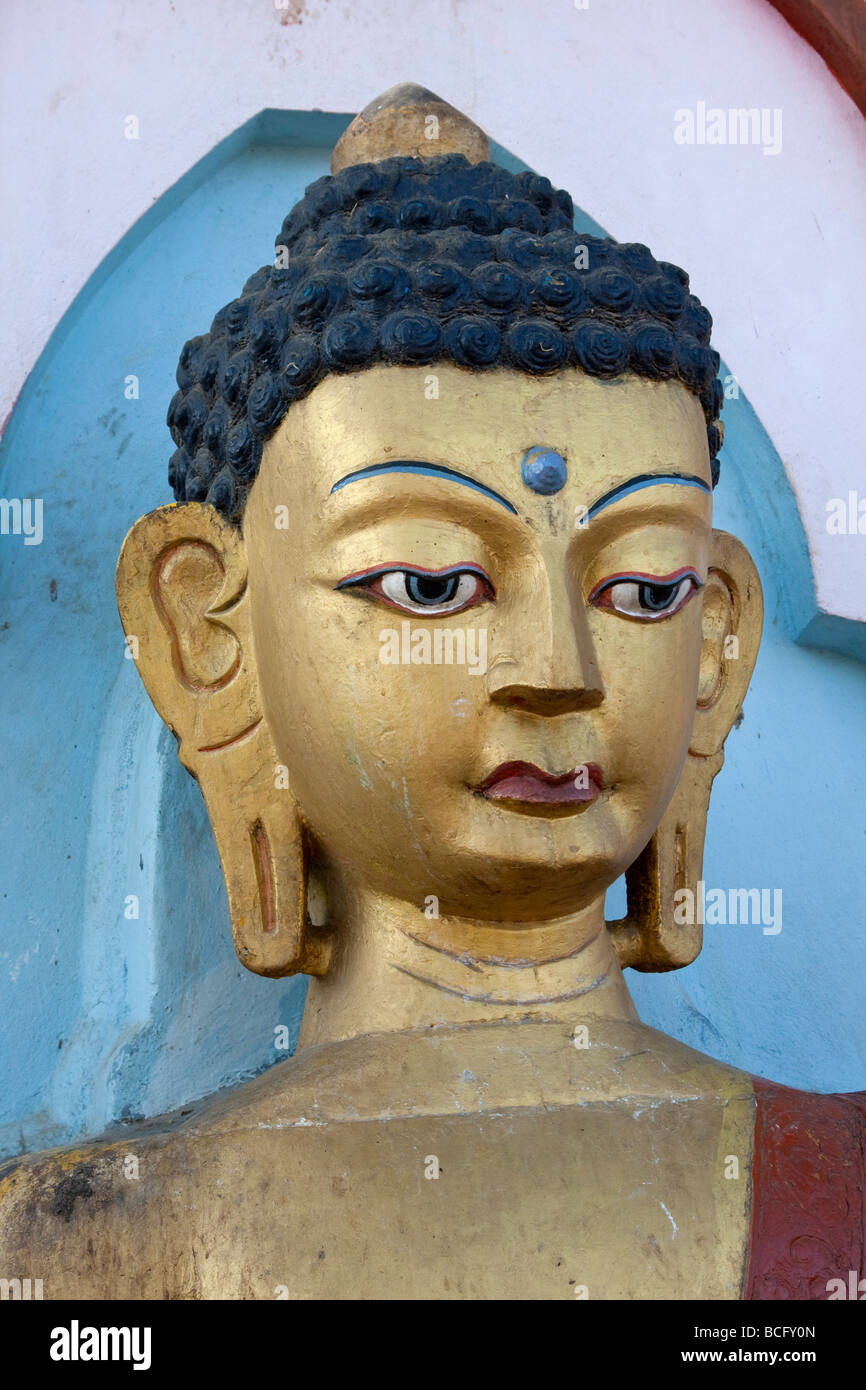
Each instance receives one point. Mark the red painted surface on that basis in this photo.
(809, 1193)
(837, 30)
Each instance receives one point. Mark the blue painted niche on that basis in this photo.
(109, 1016)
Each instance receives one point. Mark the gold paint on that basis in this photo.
(560, 1167)
(181, 582)
(577, 1146)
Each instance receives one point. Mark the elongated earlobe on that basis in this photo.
(659, 932)
(262, 845)
(181, 590)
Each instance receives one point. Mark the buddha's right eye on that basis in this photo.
(426, 593)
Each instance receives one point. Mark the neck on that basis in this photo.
(394, 969)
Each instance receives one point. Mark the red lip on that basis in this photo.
(519, 781)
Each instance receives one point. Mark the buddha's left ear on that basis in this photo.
(657, 934)
(182, 595)
(733, 612)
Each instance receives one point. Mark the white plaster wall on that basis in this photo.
(774, 244)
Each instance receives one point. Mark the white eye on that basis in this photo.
(431, 594)
(646, 598)
(422, 591)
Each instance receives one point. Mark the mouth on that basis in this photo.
(524, 787)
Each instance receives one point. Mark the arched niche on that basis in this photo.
(117, 1015)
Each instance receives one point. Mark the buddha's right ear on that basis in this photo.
(182, 595)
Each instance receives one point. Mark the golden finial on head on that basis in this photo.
(408, 120)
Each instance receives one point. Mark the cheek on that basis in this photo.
(378, 735)
(650, 694)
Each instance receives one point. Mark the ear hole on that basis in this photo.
(187, 583)
(717, 627)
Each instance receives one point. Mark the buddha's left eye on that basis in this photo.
(645, 596)
(428, 593)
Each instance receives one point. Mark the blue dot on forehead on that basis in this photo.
(543, 470)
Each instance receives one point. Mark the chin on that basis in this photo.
(530, 896)
(507, 865)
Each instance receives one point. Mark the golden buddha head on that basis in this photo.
(440, 614)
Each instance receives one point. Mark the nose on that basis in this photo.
(551, 667)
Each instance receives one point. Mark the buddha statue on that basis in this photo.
(446, 635)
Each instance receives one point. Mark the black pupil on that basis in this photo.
(656, 596)
(432, 589)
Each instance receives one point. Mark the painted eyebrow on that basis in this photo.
(643, 480)
(429, 470)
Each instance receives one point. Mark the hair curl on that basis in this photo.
(413, 261)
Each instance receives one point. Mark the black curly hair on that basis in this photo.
(412, 261)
